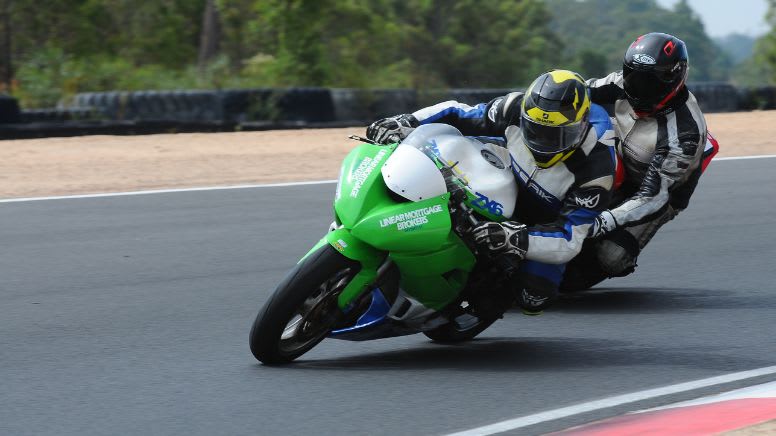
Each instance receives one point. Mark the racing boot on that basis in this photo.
(535, 294)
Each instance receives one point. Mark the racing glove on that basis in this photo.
(603, 224)
(508, 237)
(392, 129)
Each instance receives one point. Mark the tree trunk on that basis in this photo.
(210, 36)
(6, 59)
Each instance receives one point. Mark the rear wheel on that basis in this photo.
(469, 321)
(487, 296)
(453, 332)
(303, 309)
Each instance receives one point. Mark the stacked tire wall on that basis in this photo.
(340, 105)
(9, 110)
(143, 112)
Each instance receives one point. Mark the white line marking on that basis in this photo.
(762, 156)
(551, 415)
(167, 191)
(766, 390)
(266, 185)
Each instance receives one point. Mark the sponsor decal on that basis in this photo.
(541, 192)
(412, 219)
(588, 202)
(364, 169)
(643, 58)
(338, 192)
(524, 178)
(669, 48)
(484, 203)
(340, 245)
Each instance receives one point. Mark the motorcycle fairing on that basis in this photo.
(432, 260)
(482, 167)
(355, 194)
(372, 324)
(411, 175)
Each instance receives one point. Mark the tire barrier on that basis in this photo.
(319, 105)
(364, 105)
(466, 96)
(760, 98)
(295, 104)
(282, 108)
(311, 105)
(715, 96)
(9, 110)
(152, 105)
(59, 115)
(241, 105)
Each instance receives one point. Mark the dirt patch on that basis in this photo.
(91, 164)
(764, 429)
(744, 133)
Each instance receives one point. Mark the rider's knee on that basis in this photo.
(617, 253)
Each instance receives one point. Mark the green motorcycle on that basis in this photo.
(397, 259)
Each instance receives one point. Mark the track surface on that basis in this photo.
(131, 315)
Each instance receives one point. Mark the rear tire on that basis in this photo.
(451, 334)
(303, 308)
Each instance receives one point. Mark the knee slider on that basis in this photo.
(617, 253)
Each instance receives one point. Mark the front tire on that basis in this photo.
(303, 308)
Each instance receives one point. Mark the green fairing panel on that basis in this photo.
(361, 185)
(435, 277)
(410, 226)
(369, 258)
(433, 261)
(353, 248)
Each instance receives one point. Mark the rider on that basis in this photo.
(563, 159)
(662, 141)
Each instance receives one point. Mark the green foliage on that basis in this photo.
(61, 47)
(470, 43)
(765, 48)
(603, 28)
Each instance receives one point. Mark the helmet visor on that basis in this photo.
(551, 140)
(647, 87)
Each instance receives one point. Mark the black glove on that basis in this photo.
(508, 237)
(393, 129)
(603, 224)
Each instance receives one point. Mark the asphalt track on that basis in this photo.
(130, 315)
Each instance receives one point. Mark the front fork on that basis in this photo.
(368, 257)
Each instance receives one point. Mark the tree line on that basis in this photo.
(52, 49)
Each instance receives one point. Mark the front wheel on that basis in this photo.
(303, 309)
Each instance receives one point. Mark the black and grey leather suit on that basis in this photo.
(662, 156)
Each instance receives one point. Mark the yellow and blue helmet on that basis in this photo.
(555, 114)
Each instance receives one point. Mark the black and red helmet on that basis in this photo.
(654, 71)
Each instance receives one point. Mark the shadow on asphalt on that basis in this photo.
(659, 300)
(539, 354)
